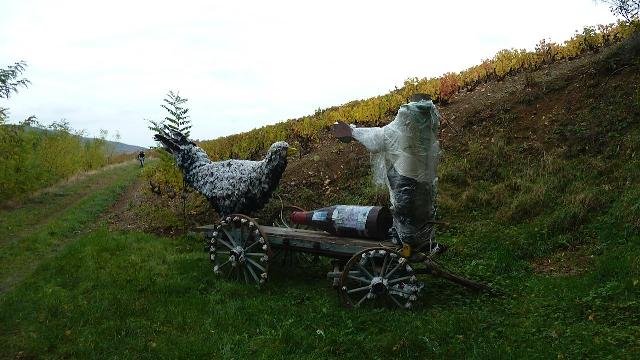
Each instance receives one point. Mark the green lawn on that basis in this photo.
(44, 224)
(132, 295)
(77, 290)
(81, 291)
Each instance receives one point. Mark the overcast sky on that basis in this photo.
(244, 64)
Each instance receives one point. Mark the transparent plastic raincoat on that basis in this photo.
(404, 157)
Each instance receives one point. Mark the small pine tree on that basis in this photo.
(178, 120)
(166, 172)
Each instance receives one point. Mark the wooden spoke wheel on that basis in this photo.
(379, 276)
(239, 250)
(285, 256)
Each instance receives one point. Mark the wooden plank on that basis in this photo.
(320, 236)
(205, 228)
(309, 235)
(318, 242)
(311, 241)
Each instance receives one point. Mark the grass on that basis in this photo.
(133, 295)
(49, 221)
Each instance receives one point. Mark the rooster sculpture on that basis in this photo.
(231, 186)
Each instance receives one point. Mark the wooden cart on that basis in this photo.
(364, 272)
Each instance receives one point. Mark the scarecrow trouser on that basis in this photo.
(412, 209)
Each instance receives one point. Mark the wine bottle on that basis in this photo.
(348, 220)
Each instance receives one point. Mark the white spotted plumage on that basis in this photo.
(231, 186)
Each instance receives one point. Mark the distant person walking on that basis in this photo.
(141, 158)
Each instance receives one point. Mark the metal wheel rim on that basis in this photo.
(378, 275)
(237, 252)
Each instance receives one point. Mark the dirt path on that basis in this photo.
(35, 212)
(119, 216)
(59, 186)
(45, 223)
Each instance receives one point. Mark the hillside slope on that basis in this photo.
(555, 146)
(539, 171)
(502, 139)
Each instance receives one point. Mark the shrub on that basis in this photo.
(449, 85)
(34, 157)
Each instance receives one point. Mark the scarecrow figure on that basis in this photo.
(404, 157)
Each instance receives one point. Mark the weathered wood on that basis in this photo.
(325, 244)
(318, 242)
(205, 228)
(320, 236)
(312, 241)
(436, 270)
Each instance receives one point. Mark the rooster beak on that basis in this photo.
(291, 151)
(168, 144)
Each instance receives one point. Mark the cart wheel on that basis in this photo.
(284, 256)
(239, 250)
(378, 276)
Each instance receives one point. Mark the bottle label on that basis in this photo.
(351, 217)
(319, 216)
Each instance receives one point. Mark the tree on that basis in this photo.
(177, 120)
(31, 121)
(111, 146)
(166, 172)
(627, 9)
(10, 81)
